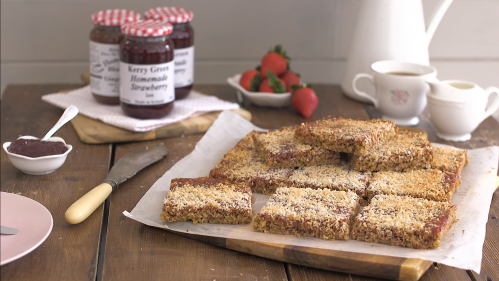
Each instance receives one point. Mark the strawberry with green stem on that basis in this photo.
(290, 78)
(304, 100)
(272, 84)
(251, 80)
(276, 61)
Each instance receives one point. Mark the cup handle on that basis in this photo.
(364, 94)
(495, 102)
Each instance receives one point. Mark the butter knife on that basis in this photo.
(125, 168)
(8, 230)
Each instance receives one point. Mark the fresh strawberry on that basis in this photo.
(276, 61)
(290, 78)
(250, 80)
(272, 84)
(304, 100)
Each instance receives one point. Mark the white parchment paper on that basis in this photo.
(462, 247)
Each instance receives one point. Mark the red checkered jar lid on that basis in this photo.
(147, 28)
(169, 14)
(115, 17)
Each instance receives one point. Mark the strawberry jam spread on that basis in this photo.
(147, 89)
(36, 148)
(183, 39)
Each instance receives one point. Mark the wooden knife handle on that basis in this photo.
(88, 203)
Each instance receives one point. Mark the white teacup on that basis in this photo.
(455, 119)
(400, 89)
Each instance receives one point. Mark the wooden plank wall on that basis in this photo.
(46, 41)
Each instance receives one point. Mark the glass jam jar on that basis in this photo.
(105, 40)
(147, 89)
(183, 38)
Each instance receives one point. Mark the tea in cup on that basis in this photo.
(400, 89)
(455, 118)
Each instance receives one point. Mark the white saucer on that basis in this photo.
(413, 121)
(464, 137)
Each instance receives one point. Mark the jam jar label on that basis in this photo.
(184, 67)
(105, 69)
(147, 84)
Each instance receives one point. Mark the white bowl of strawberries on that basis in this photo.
(259, 98)
(269, 84)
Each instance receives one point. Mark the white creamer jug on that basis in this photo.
(458, 90)
(457, 107)
(389, 30)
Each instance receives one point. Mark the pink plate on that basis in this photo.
(31, 218)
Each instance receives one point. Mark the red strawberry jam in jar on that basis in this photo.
(147, 89)
(105, 39)
(183, 38)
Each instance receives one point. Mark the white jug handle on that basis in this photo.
(435, 18)
(363, 94)
(495, 102)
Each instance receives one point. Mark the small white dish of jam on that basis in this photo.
(259, 98)
(35, 157)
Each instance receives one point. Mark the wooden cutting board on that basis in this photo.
(93, 131)
(378, 266)
(385, 267)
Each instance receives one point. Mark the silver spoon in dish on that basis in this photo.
(68, 114)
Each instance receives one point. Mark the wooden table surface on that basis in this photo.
(109, 246)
